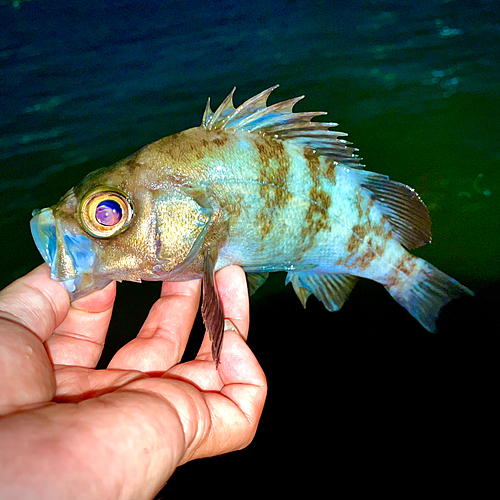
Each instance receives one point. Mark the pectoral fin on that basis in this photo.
(211, 309)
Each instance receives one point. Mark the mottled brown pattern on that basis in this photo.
(316, 219)
(185, 148)
(357, 236)
(407, 265)
(364, 260)
(361, 241)
(331, 171)
(222, 187)
(265, 223)
(359, 205)
(178, 160)
(273, 179)
(317, 213)
(132, 163)
(235, 206)
(182, 158)
(360, 231)
(220, 141)
(313, 164)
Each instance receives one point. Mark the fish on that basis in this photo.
(259, 186)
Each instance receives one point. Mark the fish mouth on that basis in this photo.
(70, 256)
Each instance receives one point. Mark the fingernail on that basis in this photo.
(229, 325)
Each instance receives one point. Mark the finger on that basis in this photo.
(75, 383)
(236, 410)
(214, 421)
(233, 292)
(79, 339)
(235, 401)
(36, 302)
(234, 393)
(30, 309)
(164, 335)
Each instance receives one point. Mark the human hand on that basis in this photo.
(70, 431)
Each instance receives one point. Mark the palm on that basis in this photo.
(217, 409)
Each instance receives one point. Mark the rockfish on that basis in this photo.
(258, 186)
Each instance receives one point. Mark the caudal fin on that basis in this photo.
(425, 293)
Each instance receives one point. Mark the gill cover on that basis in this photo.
(183, 216)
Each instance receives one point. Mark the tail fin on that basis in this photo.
(426, 292)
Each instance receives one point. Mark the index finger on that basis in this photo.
(233, 292)
(163, 337)
(79, 339)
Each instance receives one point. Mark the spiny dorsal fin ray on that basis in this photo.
(281, 122)
(207, 115)
(250, 106)
(222, 112)
(225, 115)
(265, 117)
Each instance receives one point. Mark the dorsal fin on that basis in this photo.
(281, 122)
(401, 206)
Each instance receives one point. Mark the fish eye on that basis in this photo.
(108, 213)
(105, 212)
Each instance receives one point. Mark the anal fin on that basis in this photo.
(331, 289)
(255, 281)
(211, 309)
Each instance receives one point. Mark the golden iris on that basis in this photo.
(105, 212)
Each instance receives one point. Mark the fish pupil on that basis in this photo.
(108, 213)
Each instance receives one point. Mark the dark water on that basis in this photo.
(416, 86)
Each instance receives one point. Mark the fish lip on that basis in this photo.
(70, 256)
(43, 230)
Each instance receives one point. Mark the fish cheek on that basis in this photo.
(131, 255)
(181, 225)
(117, 259)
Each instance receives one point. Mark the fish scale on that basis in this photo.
(258, 186)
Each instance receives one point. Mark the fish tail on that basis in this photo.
(426, 291)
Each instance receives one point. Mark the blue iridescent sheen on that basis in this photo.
(43, 229)
(79, 248)
(82, 252)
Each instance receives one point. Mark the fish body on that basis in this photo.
(257, 186)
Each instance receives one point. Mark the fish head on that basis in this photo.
(122, 223)
(68, 236)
